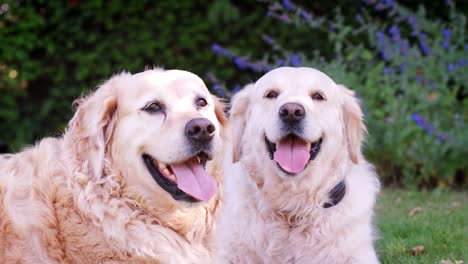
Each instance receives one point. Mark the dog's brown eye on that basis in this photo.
(271, 95)
(318, 97)
(201, 102)
(153, 107)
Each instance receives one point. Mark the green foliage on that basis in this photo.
(408, 71)
(52, 52)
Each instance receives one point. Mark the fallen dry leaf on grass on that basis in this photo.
(417, 250)
(451, 262)
(414, 211)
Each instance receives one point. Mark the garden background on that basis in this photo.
(406, 60)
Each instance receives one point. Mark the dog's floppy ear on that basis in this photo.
(90, 130)
(354, 124)
(238, 117)
(220, 106)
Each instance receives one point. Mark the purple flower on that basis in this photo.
(445, 44)
(288, 5)
(268, 40)
(280, 63)
(394, 32)
(218, 89)
(441, 137)
(215, 47)
(380, 36)
(404, 47)
(306, 16)
(451, 67)
(426, 50)
(418, 120)
(284, 18)
(384, 54)
(358, 18)
(236, 88)
(388, 3)
(241, 63)
(387, 70)
(379, 7)
(220, 51)
(449, 3)
(403, 67)
(295, 60)
(446, 33)
(412, 21)
(422, 123)
(462, 62)
(256, 67)
(331, 27)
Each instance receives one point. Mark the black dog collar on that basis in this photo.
(336, 194)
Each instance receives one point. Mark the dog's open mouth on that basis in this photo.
(292, 153)
(187, 181)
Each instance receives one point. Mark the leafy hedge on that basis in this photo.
(409, 72)
(53, 51)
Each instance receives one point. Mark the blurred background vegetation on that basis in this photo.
(405, 59)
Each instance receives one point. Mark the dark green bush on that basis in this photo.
(51, 52)
(408, 71)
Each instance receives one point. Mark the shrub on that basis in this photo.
(51, 52)
(407, 69)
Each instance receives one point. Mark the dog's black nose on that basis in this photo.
(200, 130)
(292, 112)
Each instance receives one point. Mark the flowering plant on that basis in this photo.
(409, 72)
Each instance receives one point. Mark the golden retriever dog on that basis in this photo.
(297, 188)
(126, 183)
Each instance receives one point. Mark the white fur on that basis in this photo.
(273, 218)
(87, 197)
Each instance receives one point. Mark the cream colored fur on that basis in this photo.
(88, 198)
(273, 218)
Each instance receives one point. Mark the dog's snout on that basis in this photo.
(292, 112)
(200, 130)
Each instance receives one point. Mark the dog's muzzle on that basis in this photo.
(199, 133)
(291, 116)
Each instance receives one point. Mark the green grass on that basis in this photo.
(441, 226)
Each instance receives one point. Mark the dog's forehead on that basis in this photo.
(296, 78)
(159, 84)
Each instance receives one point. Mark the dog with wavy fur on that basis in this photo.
(297, 187)
(126, 183)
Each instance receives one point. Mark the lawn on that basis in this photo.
(437, 220)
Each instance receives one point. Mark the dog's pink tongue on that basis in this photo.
(292, 155)
(193, 180)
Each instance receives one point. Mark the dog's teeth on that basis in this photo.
(172, 178)
(166, 172)
(161, 165)
(309, 145)
(198, 158)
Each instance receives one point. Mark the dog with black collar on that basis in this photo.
(297, 187)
